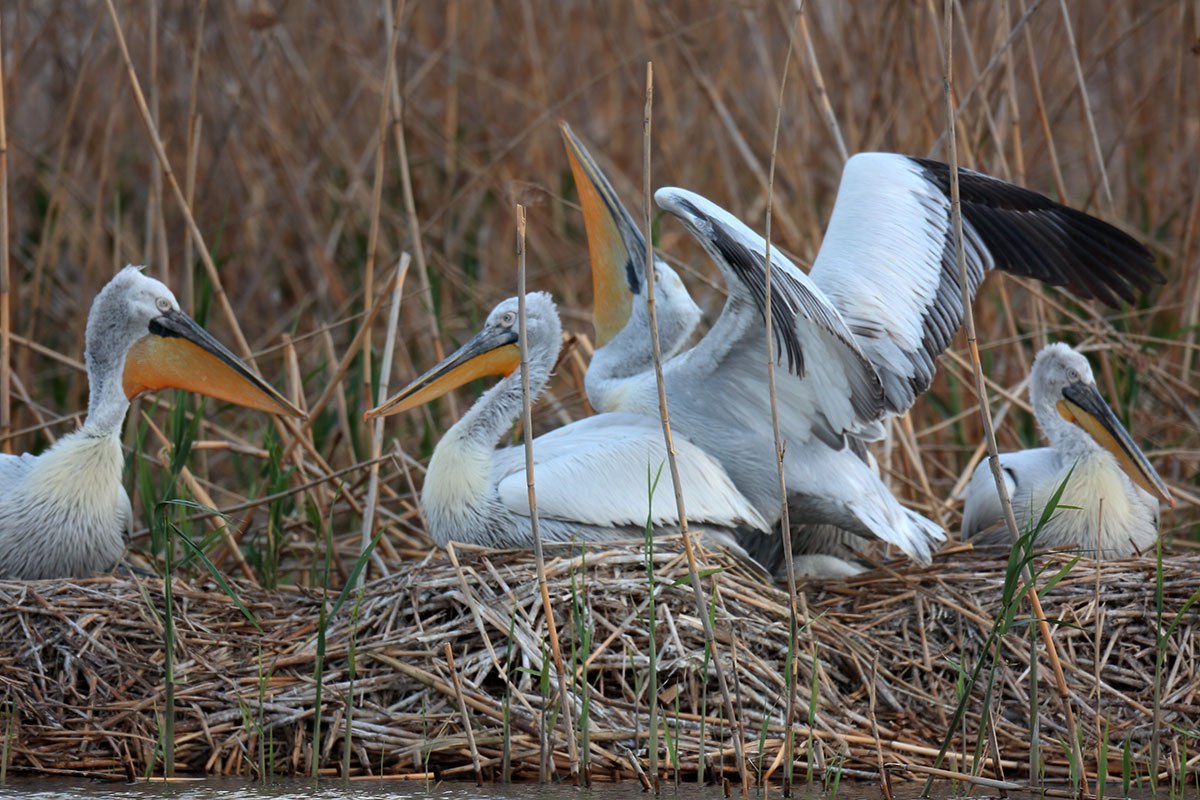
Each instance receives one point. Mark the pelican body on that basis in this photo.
(592, 476)
(856, 338)
(65, 513)
(1111, 495)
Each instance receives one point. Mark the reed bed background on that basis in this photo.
(271, 117)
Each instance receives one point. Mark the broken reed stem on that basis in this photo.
(785, 519)
(527, 426)
(151, 129)
(389, 73)
(689, 550)
(5, 286)
(985, 411)
(385, 373)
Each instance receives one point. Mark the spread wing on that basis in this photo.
(887, 262)
(599, 471)
(827, 386)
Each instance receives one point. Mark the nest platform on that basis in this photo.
(82, 685)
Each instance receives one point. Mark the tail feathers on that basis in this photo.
(916, 535)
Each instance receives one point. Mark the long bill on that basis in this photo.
(488, 353)
(616, 247)
(1083, 405)
(179, 354)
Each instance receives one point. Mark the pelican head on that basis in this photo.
(136, 330)
(1062, 388)
(495, 350)
(617, 251)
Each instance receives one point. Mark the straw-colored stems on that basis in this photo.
(785, 519)
(981, 389)
(152, 130)
(527, 426)
(410, 208)
(385, 372)
(193, 147)
(1098, 151)
(389, 78)
(656, 351)
(462, 709)
(827, 112)
(5, 301)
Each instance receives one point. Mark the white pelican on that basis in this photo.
(1091, 451)
(592, 476)
(64, 513)
(885, 272)
(617, 252)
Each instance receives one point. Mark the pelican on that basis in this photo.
(620, 314)
(1109, 482)
(64, 513)
(617, 252)
(592, 476)
(884, 293)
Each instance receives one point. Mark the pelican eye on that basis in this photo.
(508, 319)
(163, 304)
(1073, 375)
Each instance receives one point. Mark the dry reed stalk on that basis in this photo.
(333, 385)
(397, 106)
(827, 112)
(389, 80)
(161, 153)
(193, 147)
(785, 519)
(385, 373)
(466, 716)
(981, 392)
(564, 695)
(665, 416)
(5, 286)
(1098, 152)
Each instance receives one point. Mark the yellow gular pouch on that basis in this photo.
(1133, 465)
(158, 362)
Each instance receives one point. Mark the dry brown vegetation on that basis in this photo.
(270, 114)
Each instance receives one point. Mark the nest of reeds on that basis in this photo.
(444, 668)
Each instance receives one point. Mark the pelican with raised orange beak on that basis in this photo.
(1110, 485)
(65, 513)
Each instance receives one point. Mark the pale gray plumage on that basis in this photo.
(886, 273)
(65, 513)
(592, 476)
(1130, 514)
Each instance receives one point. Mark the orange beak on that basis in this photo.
(616, 247)
(488, 353)
(179, 354)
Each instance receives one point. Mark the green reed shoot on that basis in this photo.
(652, 625)
(322, 625)
(506, 703)
(1020, 563)
(582, 647)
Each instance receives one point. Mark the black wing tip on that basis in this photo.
(1092, 258)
